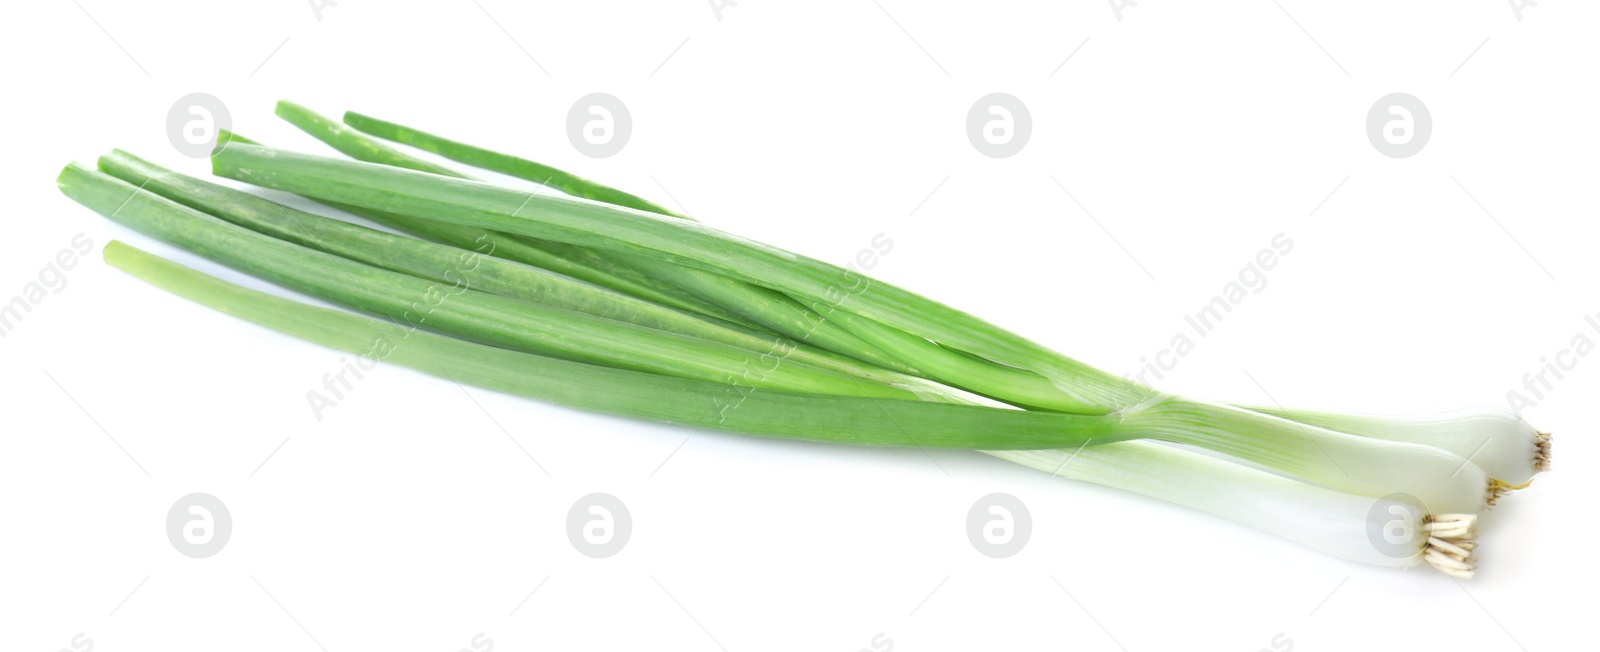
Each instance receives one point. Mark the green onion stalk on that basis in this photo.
(478, 269)
(1443, 481)
(565, 259)
(451, 305)
(607, 302)
(1510, 451)
(1336, 523)
(728, 298)
(854, 420)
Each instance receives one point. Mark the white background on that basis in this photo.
(1190, 135)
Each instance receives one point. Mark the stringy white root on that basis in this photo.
(1451, 542)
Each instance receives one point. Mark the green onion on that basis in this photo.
(441, 263)
(1336, 523)
(717, 406)
(1323, 519)
(607, 302)
(1438, 479)
(503, 163)
(975, 374)
(1078, 387)
(1506, 447)
(1498, 440)
(1445, 482)
(572, 261)
(748, 304)
(452, 306)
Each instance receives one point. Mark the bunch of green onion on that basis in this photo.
(600, 300)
